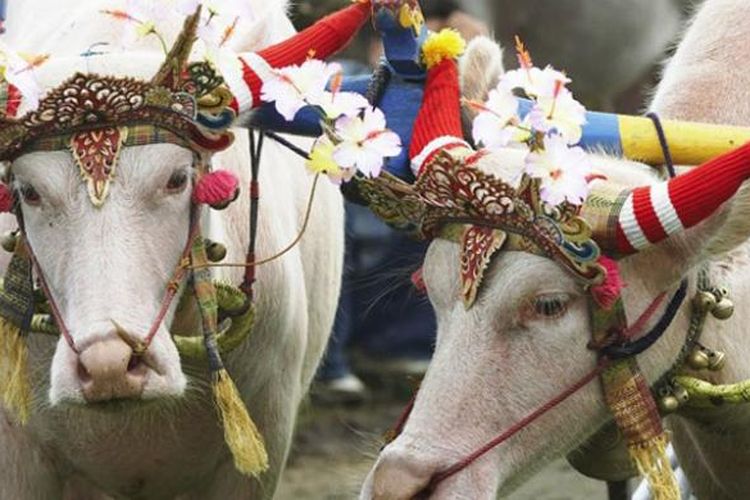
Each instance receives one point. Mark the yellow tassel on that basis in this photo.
(240, 432)
(653, 463)
(14, 378)
(448, 44)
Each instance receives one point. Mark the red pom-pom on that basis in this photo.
(608, 292)
(217, 189)
(417, 279)
(6, 199)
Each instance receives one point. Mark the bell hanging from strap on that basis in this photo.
(240, 432)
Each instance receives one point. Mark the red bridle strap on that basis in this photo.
(173, 286)
(517, 427)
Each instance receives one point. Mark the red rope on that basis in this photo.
(48, 293)
(169, 296)
(517, 427)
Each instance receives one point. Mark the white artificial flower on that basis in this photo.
(321, 161)
(294, 87)
(19, 72)
(364, 142)
(143, 18)
(564, 171)
(338, 104)
(533, 81)
(495, 126)
(561, 113)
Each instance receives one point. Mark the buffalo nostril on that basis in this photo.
(83, 374)
(134, 362)
(401, 477)
(109, 369)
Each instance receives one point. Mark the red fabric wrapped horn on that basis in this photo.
(321, 40)
(627, 221)
(438, 124)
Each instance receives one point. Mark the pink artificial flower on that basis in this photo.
(364, 142)
(562, 169)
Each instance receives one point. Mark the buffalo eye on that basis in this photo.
(30, 195)
(551, 306)
(177, 181)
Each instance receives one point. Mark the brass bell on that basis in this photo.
(216, 252)
(699, 359)
(669, 404)
(716, 360)
(681, 394)
(705, 301)
(723, 309)
(8, 241)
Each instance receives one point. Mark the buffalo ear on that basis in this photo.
(480, 68)
(170, 74)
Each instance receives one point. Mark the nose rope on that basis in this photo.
(173, 286)
(604, 362)
(514, 429)
(139, 346)
(50, 298)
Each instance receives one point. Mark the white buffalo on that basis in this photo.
(490, 369)
(113, 263)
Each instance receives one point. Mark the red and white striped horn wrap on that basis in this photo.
(650, 214)
(321, 40)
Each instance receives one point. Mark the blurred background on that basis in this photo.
(384, 332)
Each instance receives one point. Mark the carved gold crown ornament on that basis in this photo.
(94, 116)
(455, 200)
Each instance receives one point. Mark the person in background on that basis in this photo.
(381, 314)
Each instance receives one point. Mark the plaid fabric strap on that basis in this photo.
(138, 135)
(630, 401)
(17, 294)
(602, 211)
(205, 295)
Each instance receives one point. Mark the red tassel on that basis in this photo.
(608, 292)
(217, 189)
(6, 199)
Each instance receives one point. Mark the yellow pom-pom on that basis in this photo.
(448, 44)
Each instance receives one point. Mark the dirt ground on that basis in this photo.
(335, 447)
